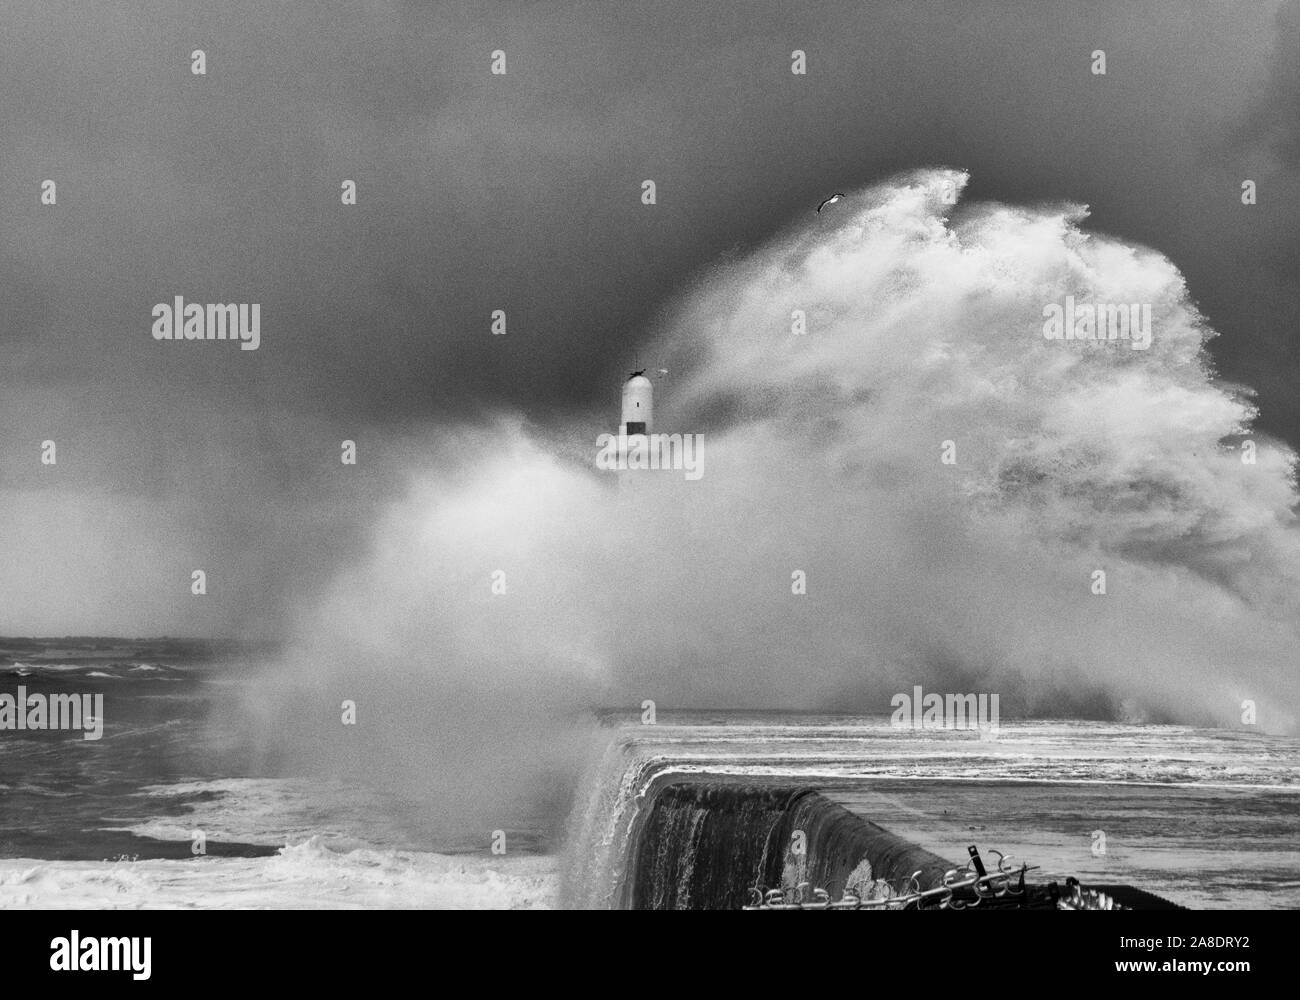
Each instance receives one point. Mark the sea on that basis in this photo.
(171, 810)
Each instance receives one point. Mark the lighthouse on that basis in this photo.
(638, 406)
(637, 447)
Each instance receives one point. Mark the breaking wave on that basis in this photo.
(924, 334)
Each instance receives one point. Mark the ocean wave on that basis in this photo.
(306, 875)
(97, 669)
(270, 812)
(51, 668)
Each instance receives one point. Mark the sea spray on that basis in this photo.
(942, 482)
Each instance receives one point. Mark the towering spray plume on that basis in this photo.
(923, 339)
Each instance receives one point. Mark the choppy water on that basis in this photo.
(110, 822)
(1206, 818)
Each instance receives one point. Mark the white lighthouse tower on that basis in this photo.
(638, 406)
(635, 427)
(638, 447)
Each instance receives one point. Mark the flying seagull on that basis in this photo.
(831, 200)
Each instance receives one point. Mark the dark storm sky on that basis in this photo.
(521, 192)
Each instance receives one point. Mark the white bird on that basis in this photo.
(831, 200)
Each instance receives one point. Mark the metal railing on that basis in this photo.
(959, 889)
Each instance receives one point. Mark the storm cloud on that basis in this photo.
(519, 192)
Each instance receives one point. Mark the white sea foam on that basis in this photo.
(308, 875)
(268, 812)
